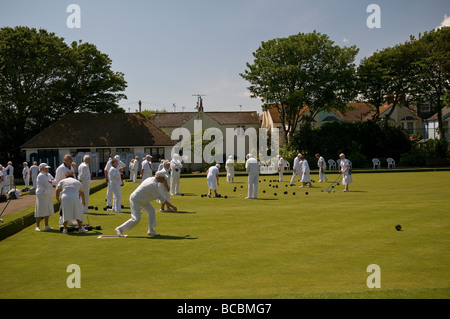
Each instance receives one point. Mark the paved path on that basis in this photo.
(24, 201)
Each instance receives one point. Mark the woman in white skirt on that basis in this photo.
(346, 172)
(229, 166)
(305, 171)
(212, 178)
(68, 193)
(44, 203)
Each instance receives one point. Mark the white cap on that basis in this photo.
(43, 165)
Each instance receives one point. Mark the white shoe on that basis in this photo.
(119, 232)
(82, 230)
(48, 227)
(65, 231)
(152, 232)
(37, 229)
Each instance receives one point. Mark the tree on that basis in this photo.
(302, 70)
(371, 82)
(397, 68)
(42, 78)
(433, 71)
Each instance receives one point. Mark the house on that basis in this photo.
(404, 117)
(357, 112)
(125, 134)
(239, 122)
(431, 124)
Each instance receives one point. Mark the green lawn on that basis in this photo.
(304, 246)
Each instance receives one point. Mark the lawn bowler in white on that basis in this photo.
(280, 168)
(175, 174)
(44, 203)
(212, 178)
(68, 193)
(229, 166)
(146, 170)
(322, 165)
(346, 172)
(34, 172)
(84, 176)
(135, 170)
(26, 175)
(305, 172)
(252, 167)
(115, 184)
(164, 187)
(63, 169)
(296, 168)
(146, 192)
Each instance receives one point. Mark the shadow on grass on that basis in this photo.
(179, 212)
(165, 237)
(75, 233)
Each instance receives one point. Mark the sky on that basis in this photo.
(172, 50)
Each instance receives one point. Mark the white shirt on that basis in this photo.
(70, 187)
(9, 171)
(44, 184)
(146, 166)
(252, 166)
(281, 163)
(147, 191)
(114, 176)
(25, 171)
(321, 162)
(176, 165)
(212, 171)
(84, 174)
(61, 172)
(34, 169)
(345, 163)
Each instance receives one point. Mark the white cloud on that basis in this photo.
(445, 22)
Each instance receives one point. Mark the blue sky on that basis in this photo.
(172, 49)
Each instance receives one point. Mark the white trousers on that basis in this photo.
(86, 186)
(253, 180)
(27, 181)
(280, 175)
(293, 176)
(135, 208)
(174, 183)
(109, 195)
(117, 201)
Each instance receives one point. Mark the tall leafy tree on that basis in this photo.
(42, 78)
(397, 67)
(302, 70)
(433, 71)
(372, 84)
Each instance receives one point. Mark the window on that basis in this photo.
(103, 154)
(122, 150)
(157, 153)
